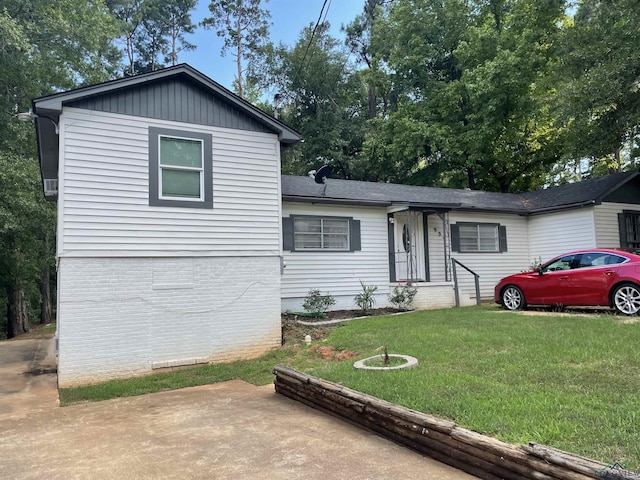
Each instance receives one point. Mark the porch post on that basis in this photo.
(425, 235)
(392, 246)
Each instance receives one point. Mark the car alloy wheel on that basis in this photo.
(626, 299)
(512, 298)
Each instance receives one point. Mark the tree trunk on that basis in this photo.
(239, 58)
(45, 295)
(471, 179)
(17, 318)
(372, 102)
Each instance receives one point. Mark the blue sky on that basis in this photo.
(288, 18)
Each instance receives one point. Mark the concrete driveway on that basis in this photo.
(230, 430)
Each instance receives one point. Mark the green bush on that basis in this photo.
(365, 299)
(402, 297)
(317, 304)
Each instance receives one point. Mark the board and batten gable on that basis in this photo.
(338, 273)
(105, 211)
(555, 233)
(491, 267)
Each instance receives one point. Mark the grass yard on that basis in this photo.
(571, 382)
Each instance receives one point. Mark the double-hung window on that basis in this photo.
(321, 233)
(180, 172)
(467, 237)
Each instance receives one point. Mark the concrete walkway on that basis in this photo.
(230, 430)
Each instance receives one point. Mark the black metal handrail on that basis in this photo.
(455, 262)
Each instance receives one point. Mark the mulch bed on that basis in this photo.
(341, 314)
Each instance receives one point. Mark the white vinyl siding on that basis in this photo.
(490, 266)
(606, 220)
(552, 234)
(104, 204)
(338, 272)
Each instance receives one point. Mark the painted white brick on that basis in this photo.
(114, 323)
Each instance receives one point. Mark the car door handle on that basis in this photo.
(564, 278)
(608, 273)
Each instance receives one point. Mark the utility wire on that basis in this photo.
(313, 34)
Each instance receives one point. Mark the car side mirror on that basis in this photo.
(539, 270)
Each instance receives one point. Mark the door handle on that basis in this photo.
(608, 273)
(564, 278)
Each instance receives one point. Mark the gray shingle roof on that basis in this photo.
(304, 189)
(587, 191)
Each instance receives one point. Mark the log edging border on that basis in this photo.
(443, 440)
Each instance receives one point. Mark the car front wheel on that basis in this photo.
(512, 298)
(626, 299)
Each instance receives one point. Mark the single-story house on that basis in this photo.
(179, 242)
(169, 231)
(342, 232)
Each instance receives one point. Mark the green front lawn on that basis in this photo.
(571, 382)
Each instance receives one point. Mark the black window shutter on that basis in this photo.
(287, 233)
(502, 237)
(354, 235)
(622, 228)
(455, 237)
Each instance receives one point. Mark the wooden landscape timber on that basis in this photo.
(443, 440)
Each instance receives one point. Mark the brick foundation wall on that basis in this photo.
(120, 317)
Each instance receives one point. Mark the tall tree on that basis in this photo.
(45, 46)
(359, 34)
(599, 86)
(129, 15)
(471, 108)
(244, 25)
(177, 20)
(321, 98)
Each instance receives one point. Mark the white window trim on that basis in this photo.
(478, 248)
(322, 234)
(181, 168)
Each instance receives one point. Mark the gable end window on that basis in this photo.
(180, 170)
(310, 233)
(469, 237)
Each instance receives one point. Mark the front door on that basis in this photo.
(409, 246)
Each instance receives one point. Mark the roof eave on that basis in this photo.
(335, 201)
(557, 208)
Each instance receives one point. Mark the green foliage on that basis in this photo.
(598, 98)
(470, 110)
(321, 99)
(152, 31)
(402, 296)
(366, 299)
(27, 221)
(45, 46)
(317, 304)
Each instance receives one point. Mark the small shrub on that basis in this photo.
(317, 304)
(402, 297)
(535, 264)
(365, 299)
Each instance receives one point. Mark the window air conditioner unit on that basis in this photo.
(50, 187)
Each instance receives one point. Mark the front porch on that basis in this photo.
(420, 254)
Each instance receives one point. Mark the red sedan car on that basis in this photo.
(582, 278)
